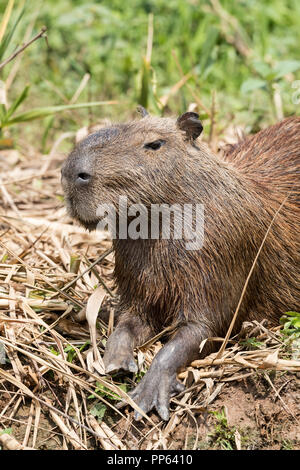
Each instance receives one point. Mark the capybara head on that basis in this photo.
(137, 159)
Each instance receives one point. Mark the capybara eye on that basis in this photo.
(155, 145)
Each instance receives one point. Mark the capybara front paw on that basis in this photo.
(154, 391)
(121, 362)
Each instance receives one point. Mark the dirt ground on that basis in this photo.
(247, 415)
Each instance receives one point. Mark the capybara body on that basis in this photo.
(160, 282)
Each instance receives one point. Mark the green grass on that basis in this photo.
(222, 436)
(291, 334)
(240, 50)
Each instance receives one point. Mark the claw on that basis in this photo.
(163, 412)
(177, 387)
(132, 367)
(137, 416)
(127, 365)
(111, 369)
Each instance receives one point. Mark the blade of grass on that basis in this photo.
(17, 102)
(8, 36)
(39, 113)
(6, 17)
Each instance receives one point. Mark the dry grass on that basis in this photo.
(47, 274)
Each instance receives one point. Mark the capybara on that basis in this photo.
(162, 280)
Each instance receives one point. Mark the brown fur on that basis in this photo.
(161, 282)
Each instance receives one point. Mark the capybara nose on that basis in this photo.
(75, 174)
(82, 178)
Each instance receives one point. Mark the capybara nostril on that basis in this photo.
(83, 178)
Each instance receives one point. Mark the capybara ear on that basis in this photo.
(142, 111)
(190, 124)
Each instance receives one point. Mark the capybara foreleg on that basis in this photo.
(129, 333)
(160, 382)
